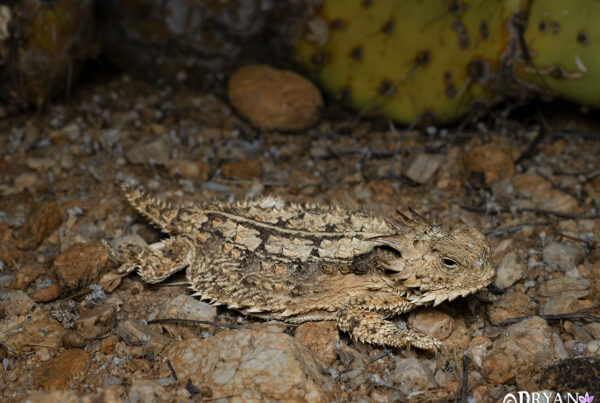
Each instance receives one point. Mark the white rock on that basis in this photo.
(144, 391)
(562, 256)
(413, 374)
(188, 307)
(510, 270)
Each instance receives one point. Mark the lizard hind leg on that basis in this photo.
(157, 261)
(371, 327)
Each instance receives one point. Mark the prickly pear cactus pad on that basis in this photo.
(43, 48)
(408, 60)
(563, 39)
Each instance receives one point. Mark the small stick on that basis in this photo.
(173, 373)
(464, 381)
(581, 314)
(194, 321)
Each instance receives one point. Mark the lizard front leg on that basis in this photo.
(157, 261)
(373, 328)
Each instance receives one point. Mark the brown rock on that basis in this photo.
(41, 221)
(432, 323)
(320, 338)
(196, 170)
(9, 253)
(251, 365)
(17, 303)
(486, 164)
(275, 99)
(26, 275)
(422, 168)
(39, 329)
(47, 294)
(147, 391)
(72, 339)
(108, 344)
(412, 374)
(564, 303)
(527, 185)
(558, 286)
(136, 333)
(97, 321)
(58, 373)
(187, 307)
(529, 343)
(244, 169)
(540, 191)
(510, 305)
(80, 265)
(108, 395)
(557, 200)
(460, 338)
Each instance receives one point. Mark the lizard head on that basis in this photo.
(433, 265)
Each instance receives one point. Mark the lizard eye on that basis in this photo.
(449, 263)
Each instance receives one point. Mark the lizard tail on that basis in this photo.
(160, 213)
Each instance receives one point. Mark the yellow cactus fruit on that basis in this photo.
(562, 39)
(421, 61)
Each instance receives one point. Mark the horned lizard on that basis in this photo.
(309, 263)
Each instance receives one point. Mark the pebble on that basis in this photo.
(557, 286)
(37, 329)
(80, 265)
(275, 99)
(27, 274)
(563, 303)
(252, 365)
(143, 391)
(242, 169)
(187, 307)
(593, 347)
(593, 328)
(58, 373)
(320, 338)
(17, 303)
(562, 256)
(68, 396)
(197, 170)
(488, 163)
(129, 239)
(557, 200)
(97, 321)
(413, 374)
(136, 333)
(72, 339)
(460, 337)
(478, 349)
(156, 151)
(422, 168)
(512, 304)
(47, 293)
(528, 344)
(510, 270)
(41, 221)
(28, 180)
(432, 323)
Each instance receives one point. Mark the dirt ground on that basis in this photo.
(529, 179)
